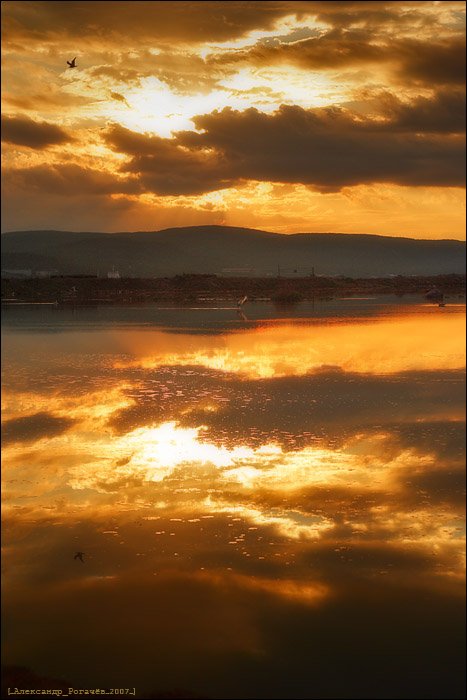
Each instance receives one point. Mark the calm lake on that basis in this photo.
(270, 503)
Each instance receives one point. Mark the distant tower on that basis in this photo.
(113, 274)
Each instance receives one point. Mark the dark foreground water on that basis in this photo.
(270, 504)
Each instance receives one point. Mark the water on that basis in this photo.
(270, 504)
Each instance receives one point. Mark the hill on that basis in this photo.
(228, 251)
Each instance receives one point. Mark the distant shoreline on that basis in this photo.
(182, 289)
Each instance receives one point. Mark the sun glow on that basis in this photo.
(154, 107)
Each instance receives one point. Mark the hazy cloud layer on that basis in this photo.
(70, 180)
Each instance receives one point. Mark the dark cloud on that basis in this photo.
(23, 131)
(36, 427)
(193, 21)
(431, 62)
(69, 179)
(166, 167)
(324, 148)
(367, 14)
(443, 113)
(335, 49)
(144, 21)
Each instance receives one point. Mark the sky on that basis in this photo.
(277, 115)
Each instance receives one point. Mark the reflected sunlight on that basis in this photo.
(387, 346)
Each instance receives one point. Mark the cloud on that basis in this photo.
(23, 131)
(335, 49)
(182, 70)
(327, 149)
(69, 179)
(146, 21)
(117, 73)
(432, 63)
(165, 167)
(119, 98)
(197, 22)
(442, 113)
(427, 61)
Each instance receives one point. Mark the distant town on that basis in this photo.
(23, 286)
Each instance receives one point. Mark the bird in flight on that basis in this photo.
(72, 64)
(79, 555)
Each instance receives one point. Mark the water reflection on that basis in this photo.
(245, 500)
(381, 347)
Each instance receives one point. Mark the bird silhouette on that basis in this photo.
(72, 64)
(79, 555)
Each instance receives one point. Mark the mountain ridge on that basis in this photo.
(224, 229)
(222, 249)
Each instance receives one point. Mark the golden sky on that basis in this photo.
(284, 116)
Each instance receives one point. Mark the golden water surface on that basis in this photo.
(274, 510)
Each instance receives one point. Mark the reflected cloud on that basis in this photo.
(387, 346)
(371, 489)
(36, 427)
